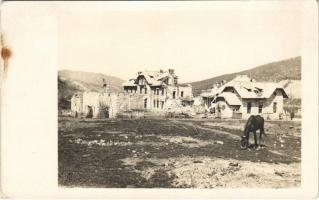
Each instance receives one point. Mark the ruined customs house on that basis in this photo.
(103, 104)
(159, 91)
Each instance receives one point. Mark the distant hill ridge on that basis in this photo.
(70, 82)
(276, 71)
(92, 81)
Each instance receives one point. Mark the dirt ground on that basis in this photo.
(176, 153)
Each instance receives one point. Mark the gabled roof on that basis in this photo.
(255, 90)
(153, 78)
(230, 98)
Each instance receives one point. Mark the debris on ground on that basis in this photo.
(233, 164)
(219, 142)
(251, 175)
(279, 173)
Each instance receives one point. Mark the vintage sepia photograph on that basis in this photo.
(179, 96)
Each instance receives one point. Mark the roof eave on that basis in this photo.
(284, 94)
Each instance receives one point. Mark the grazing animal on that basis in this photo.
(253, 124)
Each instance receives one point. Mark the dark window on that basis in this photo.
(157, 91)
(260, 108)
(182, 93)
(142, 81)
(154, 91)
(157, 103)
(162, 105)
(162, 91)
(248, 107)
(174, 94)
(145, 90)
(154, 103)
(140, 90)
(274, 107)
(145, 103)
(175, 81)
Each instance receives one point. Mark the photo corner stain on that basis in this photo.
(6, 54)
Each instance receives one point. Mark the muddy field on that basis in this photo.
(176, 153)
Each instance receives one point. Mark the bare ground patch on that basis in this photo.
(165, 153)
(206, 172)
(189, 141)
(220, 173)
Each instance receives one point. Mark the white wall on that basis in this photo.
(227, 112)
(267, 110)
(76, 104)
(188, 92)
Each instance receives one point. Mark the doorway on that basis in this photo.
(89, 112)
(104, 112)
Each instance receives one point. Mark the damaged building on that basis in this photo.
(95, 104)
(158, 91)
(243, 97)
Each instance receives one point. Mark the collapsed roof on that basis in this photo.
(153, 78)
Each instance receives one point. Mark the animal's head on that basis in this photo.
(244, 142)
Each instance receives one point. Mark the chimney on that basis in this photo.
(171, 71)
(161, 71)
(104, 87)
(139, 73)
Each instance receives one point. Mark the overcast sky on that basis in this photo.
(198, 39)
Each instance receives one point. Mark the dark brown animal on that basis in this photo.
(253, 124)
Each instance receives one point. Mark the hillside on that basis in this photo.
(70, 82)
(276, 71)
(292, 87)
